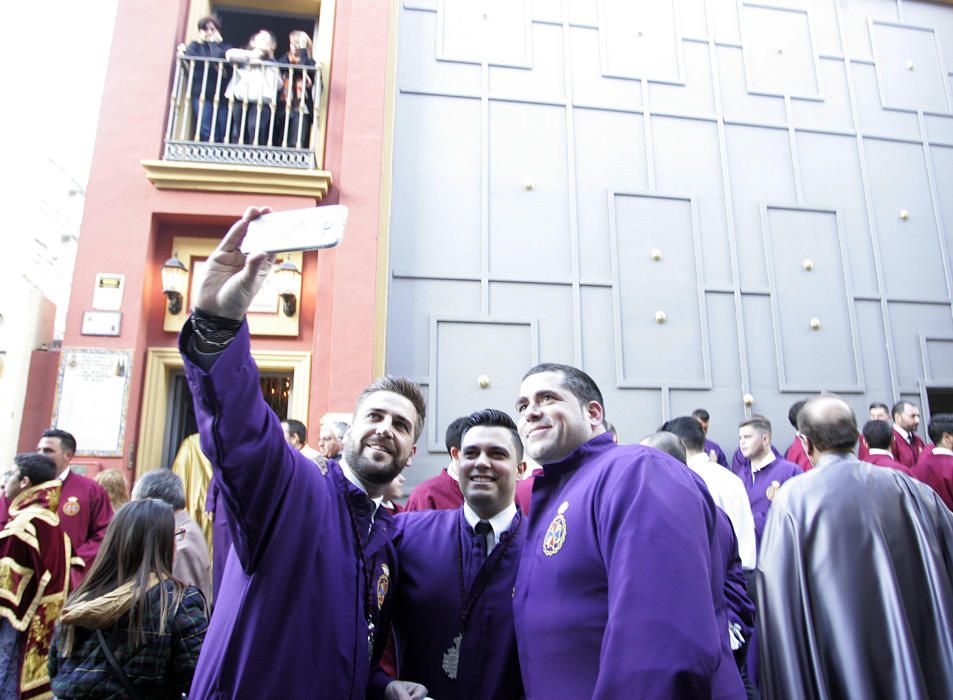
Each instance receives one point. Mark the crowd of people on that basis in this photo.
(247, 95)
(545, 561)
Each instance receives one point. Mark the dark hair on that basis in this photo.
(36, 467)
(667, 442)
(794, 410)
(401, 386)
(701, 414)
(688, 430)
(939, 424)
(296, 427)
(899, 406)
(758, 422)
(583, 387)
(878, 404)
(494, 418)
(878, 433)
(209, 19)
(67, 441)
(829, 423)
(454, 435)
(139, 544)
(163, 484)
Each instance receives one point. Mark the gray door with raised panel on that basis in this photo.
(693, 200)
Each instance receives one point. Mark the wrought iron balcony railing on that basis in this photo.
(261, 114)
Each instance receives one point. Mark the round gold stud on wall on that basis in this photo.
(808, 264)
(660, 317)
(910, 65)
(529, 185)
(815, 324)
(904, 215)
(656, 254)
(483, 381)
(748, 400)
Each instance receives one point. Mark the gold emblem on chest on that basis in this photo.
(71, 507)
(556, 533)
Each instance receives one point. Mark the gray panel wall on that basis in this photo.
(694, 200)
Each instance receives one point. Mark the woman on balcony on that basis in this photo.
(253, 89)
(296, 101)
(207, 87)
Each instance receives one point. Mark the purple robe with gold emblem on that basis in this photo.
(291, 619)
(437, 550)
(762, 486)
(614, 596)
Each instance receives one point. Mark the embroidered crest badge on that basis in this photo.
(71, 507)
(383, 583)
(772, 490)
(556, 534)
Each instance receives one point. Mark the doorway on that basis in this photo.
(940, 400)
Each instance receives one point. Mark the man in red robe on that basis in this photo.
(85, 510)
(876, 411)
(907, 445)
(879, 436)
(34, 575)
(795, 452)
(442, 492)
(935, 468)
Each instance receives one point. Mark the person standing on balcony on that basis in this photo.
(254, 89)
(205, 79)
(296, 102)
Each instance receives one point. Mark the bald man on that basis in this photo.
(865, 634)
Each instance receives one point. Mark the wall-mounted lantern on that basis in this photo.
(175, 279)
(288, 277)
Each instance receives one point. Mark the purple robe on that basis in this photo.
(290, 620)
(712, 446)
(739, 461)
(763, 485)
(614, 596)
(434, 548)
(441, 492)
(221, 538)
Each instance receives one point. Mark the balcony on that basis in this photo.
(255, 127)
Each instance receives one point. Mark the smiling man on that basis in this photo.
(304, 590)
(453, 612)
(615, 595)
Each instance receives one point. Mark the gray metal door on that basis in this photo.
(693, 200)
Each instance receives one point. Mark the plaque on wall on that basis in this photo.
(92, 393)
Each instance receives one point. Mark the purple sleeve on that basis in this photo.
(243, 440)
(662, 638)
(722, 460)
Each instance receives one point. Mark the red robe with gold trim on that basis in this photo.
(34, 579)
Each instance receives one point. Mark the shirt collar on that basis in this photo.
(453, 470)
(352, 477)
(755, 470)
(500, 522)
(942, 451)
(62, 477)
(699, 460)
(876, 451)
(903, 433)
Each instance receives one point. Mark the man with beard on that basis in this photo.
(906, 445)
(304, 591)
(615, 596)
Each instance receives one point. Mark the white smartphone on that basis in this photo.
(299, 229)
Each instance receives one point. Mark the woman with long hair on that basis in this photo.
(130, 629)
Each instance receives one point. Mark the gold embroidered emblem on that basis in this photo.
(556, 534)
(71, 507)
(383, 583)
(772, 490)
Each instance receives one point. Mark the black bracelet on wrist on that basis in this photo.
(212, 332)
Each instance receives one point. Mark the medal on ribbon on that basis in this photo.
(451, 657)
(772, 490)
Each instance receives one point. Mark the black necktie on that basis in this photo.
(483, 528)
